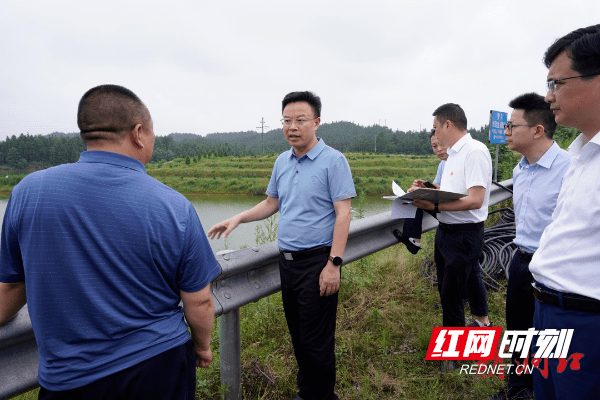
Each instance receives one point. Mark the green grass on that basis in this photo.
(372, 173)
(8, 179)
(385, 318)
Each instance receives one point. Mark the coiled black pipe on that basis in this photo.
(498, 251)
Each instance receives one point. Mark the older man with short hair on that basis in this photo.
(102, 254)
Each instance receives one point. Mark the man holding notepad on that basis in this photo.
(459, 238)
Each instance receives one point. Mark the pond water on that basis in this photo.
(213, 209)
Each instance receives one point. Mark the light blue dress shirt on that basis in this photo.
(440, 171)
(306, 189)
(535, 190)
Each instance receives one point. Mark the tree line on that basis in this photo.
(343, 136)
(42, 151)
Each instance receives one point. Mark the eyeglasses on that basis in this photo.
(551, 84)
(299, 121)
(510, 126)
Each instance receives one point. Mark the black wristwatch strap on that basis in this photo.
(336, 260)
(437, 210)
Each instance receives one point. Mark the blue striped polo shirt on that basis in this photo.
(104, 250)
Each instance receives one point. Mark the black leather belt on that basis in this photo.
(571, 301)
(472, 226)
(524, 256)
(302, 254)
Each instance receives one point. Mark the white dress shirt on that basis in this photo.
(468, 165)
(568, 258)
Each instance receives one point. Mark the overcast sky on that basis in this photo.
(219, 66)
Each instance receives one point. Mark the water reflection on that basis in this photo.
(213, 209)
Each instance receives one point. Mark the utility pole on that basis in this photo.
(262, 135)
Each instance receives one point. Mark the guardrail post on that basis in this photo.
(231, 353)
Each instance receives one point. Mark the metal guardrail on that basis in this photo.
(247, 276)
(18, 356)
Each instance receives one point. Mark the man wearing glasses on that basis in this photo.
(536, 182)
(311, 185)
(412, 227)
(566, 266)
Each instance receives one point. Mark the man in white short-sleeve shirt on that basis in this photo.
(459, 238)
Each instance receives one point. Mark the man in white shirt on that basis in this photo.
(566, 266)
(459, 237)
(537, 179)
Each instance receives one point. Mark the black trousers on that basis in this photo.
(311, 322)
(413, 227)
(456, 258)
(520, 307)
(169, 375)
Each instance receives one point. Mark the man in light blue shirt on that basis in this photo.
(320, 178)
(537, 179)
(438, 176)
(311, 185)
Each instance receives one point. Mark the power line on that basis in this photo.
(262, 135)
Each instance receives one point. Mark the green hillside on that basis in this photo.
(372, 173)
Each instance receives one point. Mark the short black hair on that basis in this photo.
(431, 134)
(535, 111)
(107, 111)
(452, 112)
(582, 46)
(312, 99)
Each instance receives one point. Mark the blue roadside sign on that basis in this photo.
(497, 121)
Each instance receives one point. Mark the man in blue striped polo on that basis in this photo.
(106, 253)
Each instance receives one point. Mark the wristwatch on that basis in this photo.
(436, 210)
(336, 260)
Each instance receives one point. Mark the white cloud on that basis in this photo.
(206, 67)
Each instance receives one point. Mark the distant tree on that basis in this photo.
(22, 163)
(13, 157)
(187, 160)
(506, 161)
(564, 136)
(55, 156)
